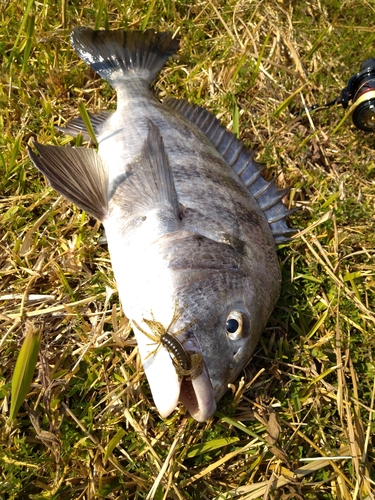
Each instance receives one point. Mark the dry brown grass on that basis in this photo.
(299, 423)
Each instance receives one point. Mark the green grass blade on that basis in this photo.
(239, 66)
(287, 101)
(113, 443)
(259, 60)
(330, 200)
(9, 214)
(25, 18)
(317, 43)
(148, 14)
(99, 14)
(12, 163)
(236, 424)
(29, 40)
(24, 369)
(344, 118)
(87, 122)
(201, 448)
(236, 118)
(64, 281)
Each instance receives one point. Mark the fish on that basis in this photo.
(191, 224)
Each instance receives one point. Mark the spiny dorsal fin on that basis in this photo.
(76, 173)
(242, 161)
(122, 55)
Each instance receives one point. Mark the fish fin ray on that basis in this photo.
(76, 173)
(118, 55)
(150, 175)
(242, 161)
(77, 127)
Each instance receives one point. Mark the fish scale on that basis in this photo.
(189, 220)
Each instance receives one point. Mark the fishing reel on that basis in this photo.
(361, 91)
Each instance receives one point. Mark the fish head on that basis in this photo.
(217, 317)
(232, 308)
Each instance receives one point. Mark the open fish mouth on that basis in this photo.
(170, 384)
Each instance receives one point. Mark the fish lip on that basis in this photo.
(198, 396)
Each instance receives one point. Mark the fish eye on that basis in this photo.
(237, 325)
(232, 325)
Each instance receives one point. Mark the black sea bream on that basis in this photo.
(190, 222)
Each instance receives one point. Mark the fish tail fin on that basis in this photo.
(118, 55)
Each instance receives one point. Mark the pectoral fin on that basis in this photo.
(76, 173)
(149, 181)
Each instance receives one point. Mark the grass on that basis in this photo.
(299, 422)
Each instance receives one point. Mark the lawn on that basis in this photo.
(299, 422)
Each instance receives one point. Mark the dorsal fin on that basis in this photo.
(76, 126)
(242, 161)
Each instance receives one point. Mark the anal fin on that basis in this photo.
(76, 173)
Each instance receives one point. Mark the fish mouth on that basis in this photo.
(168, 388)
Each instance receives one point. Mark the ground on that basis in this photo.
(298, 423)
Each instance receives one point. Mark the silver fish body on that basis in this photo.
(190, 223)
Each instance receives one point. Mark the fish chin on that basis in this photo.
(167, 388)
(164, 382)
